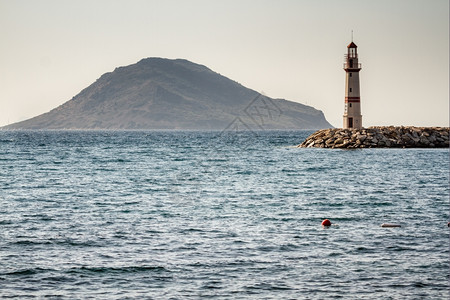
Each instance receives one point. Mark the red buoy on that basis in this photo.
(326, 222)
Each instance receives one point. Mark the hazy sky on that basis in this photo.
(291, 49)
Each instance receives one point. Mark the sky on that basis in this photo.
(290, 49)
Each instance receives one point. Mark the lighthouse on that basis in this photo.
(352, 111)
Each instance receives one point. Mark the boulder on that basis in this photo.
(387, 137)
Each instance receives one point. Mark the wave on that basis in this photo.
(109, 270)
(84, 270)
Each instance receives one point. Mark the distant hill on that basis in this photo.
(158, 93)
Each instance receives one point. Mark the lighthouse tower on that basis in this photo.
(352, 111)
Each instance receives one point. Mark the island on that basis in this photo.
(379, 137)
(173, 94)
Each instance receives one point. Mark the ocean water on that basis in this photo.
(221, 215)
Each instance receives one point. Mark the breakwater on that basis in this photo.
(379, 137)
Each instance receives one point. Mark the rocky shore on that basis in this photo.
(379, 137)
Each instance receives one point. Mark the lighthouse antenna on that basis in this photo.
(352, 35)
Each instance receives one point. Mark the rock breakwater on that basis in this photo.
(379, 137)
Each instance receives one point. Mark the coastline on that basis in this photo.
(379, 137)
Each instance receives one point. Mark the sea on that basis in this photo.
(218, 215)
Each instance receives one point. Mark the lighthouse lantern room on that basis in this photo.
(352, 111)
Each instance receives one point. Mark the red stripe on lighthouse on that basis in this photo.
(352, 99)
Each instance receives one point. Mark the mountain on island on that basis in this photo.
(158, 93)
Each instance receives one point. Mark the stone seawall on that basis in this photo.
(379, 137)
